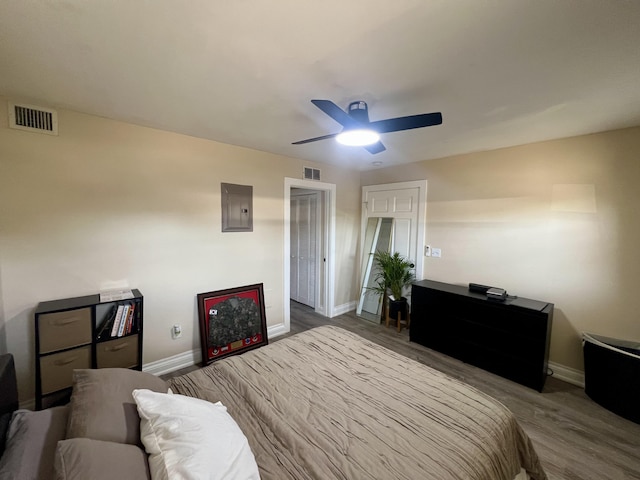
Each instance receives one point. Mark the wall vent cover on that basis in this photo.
(311, 173)
(32, 118)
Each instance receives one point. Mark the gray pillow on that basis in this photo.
(31, 443)
(83, 459)
(102, 407)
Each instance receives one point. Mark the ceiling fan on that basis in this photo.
(359, 131)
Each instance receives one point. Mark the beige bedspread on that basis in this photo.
(328, 404)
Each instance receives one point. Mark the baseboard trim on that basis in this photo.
(173, 363)
(567, 374)
(344, 308)
(191, 357)
(277, 330)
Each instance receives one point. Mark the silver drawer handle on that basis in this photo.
(66, 321)
(118, 347)
(67, 361)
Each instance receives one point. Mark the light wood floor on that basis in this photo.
(575, 438)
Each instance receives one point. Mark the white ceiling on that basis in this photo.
(243, 72)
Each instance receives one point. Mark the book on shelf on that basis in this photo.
(105, 327)
(129, 327)
(116, 323)
(123, 320)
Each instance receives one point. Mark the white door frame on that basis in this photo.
(421, 185)
(329, 229)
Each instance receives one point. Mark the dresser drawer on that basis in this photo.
(56, 370)
(62, 330)
(122, 352)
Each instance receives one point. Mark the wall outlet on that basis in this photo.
(176, 331)
(436, 252)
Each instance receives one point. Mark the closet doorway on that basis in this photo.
(324, 277)
(306, 244)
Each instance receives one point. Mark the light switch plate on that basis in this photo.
(176, 331)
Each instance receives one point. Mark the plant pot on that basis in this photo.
(396, 306)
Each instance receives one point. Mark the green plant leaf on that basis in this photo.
(394, 273)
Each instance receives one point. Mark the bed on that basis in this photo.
(323, 404)
(327, 404)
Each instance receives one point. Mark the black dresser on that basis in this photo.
(509, 338)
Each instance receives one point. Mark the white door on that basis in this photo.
(304, 247)
(405, 204)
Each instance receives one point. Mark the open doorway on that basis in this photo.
(324, 281)
(305, 258)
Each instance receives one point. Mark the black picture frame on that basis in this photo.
(232, 321)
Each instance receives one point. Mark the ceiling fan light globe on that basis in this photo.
(358, 138)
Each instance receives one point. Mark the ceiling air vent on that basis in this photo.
(33, 119)
(311, 173)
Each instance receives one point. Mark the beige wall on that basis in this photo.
(555, 221)
(107, 202)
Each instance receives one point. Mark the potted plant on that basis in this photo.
(394, 273)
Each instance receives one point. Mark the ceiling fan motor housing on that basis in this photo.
(359, 112)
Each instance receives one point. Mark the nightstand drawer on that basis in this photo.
(122, 352)
(64, 329)
(57, 370)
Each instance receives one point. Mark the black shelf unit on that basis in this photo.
(66, 338)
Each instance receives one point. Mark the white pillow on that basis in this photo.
(188, 439)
